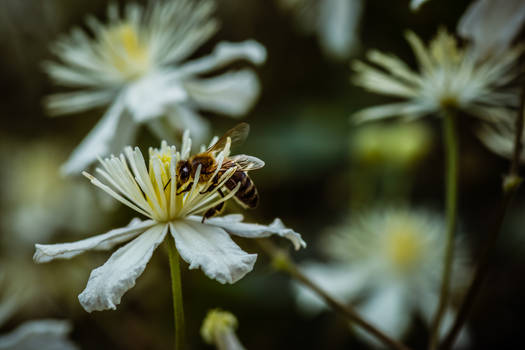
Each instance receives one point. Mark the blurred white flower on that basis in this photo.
(37, 204)
(500, 138)
(39, 335)
(135, 64)
(151, 190)
(492, 25)
(389, 262)
(219, 328)
(335, 22)
(449, 77)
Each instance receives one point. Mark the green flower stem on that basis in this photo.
(511, 183)
(176, 290)
(282, 262)
(451, 173)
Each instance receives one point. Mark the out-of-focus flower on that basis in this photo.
(394, 145)
(151, 189)
(38, 204)
(219, 328)
(416, 4)
(389, 261)
(492, 25)
(39, 335)
(449, 77)
(335, 22)
(136, 65)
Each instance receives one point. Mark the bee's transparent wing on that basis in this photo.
(247, 163)
(237, 135)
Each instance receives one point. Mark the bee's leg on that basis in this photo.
(213, 211)
(166, 185)
(186, 189)
(215, 182)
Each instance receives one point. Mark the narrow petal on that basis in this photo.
(111, 133)
(389, 310)
(232, 93)
(398, 109)
(224, 54)
(211, 249)
(108, 283)
(40, 334)
(233, 225)
(340, 280)
(48, 252)
(338, 26)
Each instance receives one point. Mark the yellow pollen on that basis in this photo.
(404, 247)
(126, 51)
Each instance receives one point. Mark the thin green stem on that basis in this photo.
(282, 262)
(511, 183)
(176, 291)
(451, 174)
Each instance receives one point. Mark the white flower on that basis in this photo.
(39, 335)
(449, 77)
(219, 328)
(151, 190)
(492, 25)
(389, 261)
(416, 4)
(499, 138)
(335, 22)
(136, 65)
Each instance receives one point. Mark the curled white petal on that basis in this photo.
(211, 249)
(40, 334)
(233, 224)
(223, 54)
(108, 283)
(232, 93)
(48, 252)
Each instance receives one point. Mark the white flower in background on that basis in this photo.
(388, 262)
(448, 77)
(335, 22)
(500, 138)
(219, 328)
(492, 25)
(136, 65)
(151, 189)
(37, 204)
(39, 335)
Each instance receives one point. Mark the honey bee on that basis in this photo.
(247, 195)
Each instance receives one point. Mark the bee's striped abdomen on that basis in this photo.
(247, 193)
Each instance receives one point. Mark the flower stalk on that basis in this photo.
(176, 291)
(451, 174)
(282, 262)
(511, 183)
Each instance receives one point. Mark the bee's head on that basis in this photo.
(183, 172)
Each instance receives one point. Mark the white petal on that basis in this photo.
(224, 54)
(387, 308)
(151, 96)
(416, 4)
(338, 26)
(108, 283)
(182, 117)
(232, 93)
(233, 224)
(48, 252)
(211, 249)
(492, 25)
(340, 280)
(111, 134)
(41, 335)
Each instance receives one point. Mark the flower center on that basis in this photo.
(126, 52)
(404, 247)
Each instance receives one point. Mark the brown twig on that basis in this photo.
(282, 262)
